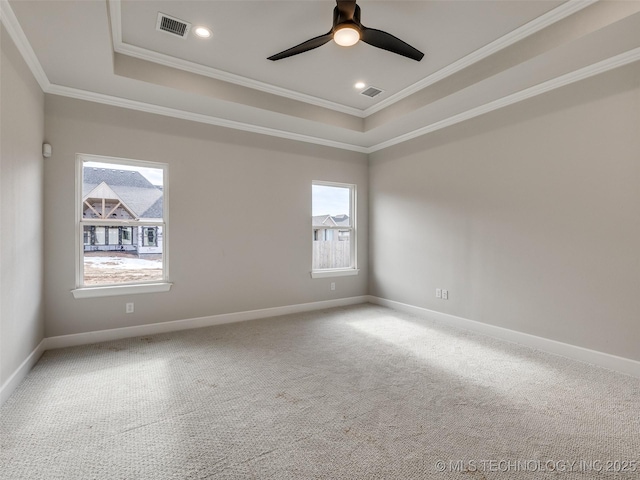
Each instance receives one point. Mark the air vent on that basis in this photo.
(371, 92)
(172, 25)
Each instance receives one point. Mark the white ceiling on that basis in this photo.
(479, 56)
(246, 33)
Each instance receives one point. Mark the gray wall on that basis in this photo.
(528, 216)
(239, 211)
(21, 259)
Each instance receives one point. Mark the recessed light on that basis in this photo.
(360, 85)
(202, 32)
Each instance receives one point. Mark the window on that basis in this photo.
(99, 238)
(333, 223)
(126, 235)
(149, 236)
(122, 227)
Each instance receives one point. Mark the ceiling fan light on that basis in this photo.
(346, 36)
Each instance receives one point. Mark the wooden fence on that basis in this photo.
(331, 254)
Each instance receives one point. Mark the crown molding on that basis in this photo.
(187, 66)
(544, 87)
(9, 20)
(196, 117)
(537, 24)
(564, 10)
(119, 46)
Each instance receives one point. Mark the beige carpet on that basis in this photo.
(348, 393)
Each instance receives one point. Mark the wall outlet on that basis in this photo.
(129, 308)
(445, 294)
(438, 293)
(333, 286)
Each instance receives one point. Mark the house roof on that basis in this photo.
(139, 194)
(331, 220)
(104, 191)
(155, 210)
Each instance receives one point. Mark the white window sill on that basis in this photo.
(343, 272)
(113, 290)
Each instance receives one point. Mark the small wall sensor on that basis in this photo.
(46, 150)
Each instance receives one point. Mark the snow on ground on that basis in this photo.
(122, 263)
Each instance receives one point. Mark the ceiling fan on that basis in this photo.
(347, 30)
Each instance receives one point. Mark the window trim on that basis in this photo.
(353, 268)
(89, 291)
(334, 272)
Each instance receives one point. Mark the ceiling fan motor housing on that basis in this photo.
(347, 30)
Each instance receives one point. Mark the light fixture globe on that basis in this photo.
(346, 36)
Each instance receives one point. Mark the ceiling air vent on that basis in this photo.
(371, 91)
(172, 25)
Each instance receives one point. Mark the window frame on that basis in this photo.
(88, 291)
(352, 269)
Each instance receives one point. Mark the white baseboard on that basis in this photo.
(611, 362)
(21, 372)
(165, 327)
(593, 357)
(150, 329)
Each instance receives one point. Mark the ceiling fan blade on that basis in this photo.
(386, 41)
(303, 47)
(347, 9)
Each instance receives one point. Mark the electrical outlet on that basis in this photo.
(438, 293)
(445, 294)
(333, 286)
(129, 308)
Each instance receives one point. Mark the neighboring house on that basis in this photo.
(322, 227)
(121, 194)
